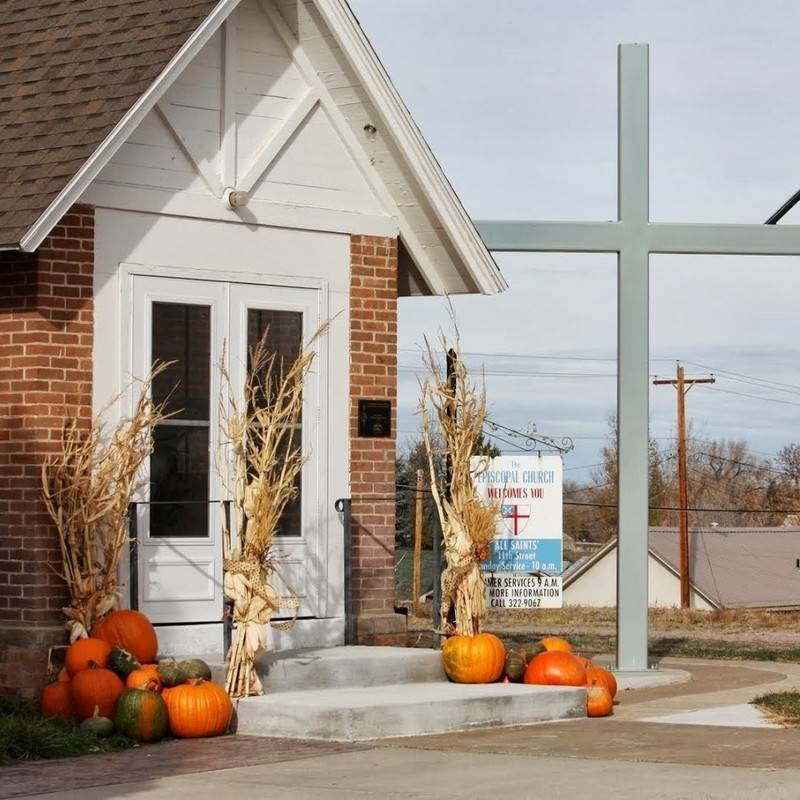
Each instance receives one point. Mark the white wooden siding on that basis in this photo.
(245, 118)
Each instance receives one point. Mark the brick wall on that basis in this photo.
(45, 372)
(373, 376)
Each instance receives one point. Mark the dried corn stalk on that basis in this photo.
(87, 486)
(266, 460)
(468, 524)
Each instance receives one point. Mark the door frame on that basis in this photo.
(327, 626)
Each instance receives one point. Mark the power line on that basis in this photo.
(742, 375)
(754, 396)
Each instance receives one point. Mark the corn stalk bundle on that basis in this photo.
(468, 524)
(261, 429)
(87, 487)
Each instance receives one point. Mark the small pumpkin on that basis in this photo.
(599, 702)
(122, 661)
(141, 714)
(515, 665)
(585, 662)
(602, 677)
(146, 677)
(198, 708)
(95, 687)
(84, 652)
(170, 673)
(130, 630)
(63, 676)
(99, 726)
(555, 668)
(56, 700)
(556, 643)
(195, 668)
(474, 659)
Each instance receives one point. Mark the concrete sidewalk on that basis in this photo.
(622, 756)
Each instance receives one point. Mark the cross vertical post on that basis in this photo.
(633, 382)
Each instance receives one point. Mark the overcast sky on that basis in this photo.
(517, 99)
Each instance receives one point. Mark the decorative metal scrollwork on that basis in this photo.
(529, 440)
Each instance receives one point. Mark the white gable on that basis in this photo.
(242, 116)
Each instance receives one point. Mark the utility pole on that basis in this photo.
(683, 384)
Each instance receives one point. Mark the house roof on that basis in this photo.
(730, 567)
(69, 71)
(82, 74)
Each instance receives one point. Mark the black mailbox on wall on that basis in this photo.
(375, 419)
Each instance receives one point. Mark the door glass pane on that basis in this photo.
(285, 339)
(179, 464)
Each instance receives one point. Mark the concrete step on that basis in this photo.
(337, 667)
(355, 714)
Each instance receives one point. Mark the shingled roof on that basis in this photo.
(69, 71)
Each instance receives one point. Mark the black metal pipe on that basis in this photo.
(344, 506)
(133, 555)
(784, 209)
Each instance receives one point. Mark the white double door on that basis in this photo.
(200, 326)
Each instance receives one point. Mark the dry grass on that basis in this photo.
(782, 707)
(87, 487)
(262, 475)
(468, 525)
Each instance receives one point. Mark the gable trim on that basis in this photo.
(412, 146)
(125, 127)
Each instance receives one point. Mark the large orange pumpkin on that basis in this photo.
(602, 677)
(82, 653)
(555, 668)
(95, 687)
(198, 708)
(146, 677)
(56, 700)
(130, 630)
(474, 659)
(555, 643)
(598, 701)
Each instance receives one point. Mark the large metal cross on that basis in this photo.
(633, 237)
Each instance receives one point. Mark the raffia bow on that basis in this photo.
(255, 601)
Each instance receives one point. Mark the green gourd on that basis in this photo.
(515, 665)
(99, 726)
(122, 661)
(171, 673)
(195, 668)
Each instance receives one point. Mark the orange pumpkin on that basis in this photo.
(82, 653)
(56, 700)
(95, 687)
(146, 677)
(474, 659)
(130, 630)
(602, 677)
(63, 676)
(198, 708)
(555, 643)
(555, 668)
(598, 701)
(585, 662)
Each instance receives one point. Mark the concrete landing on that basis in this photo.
(650, 678)
(410, 709)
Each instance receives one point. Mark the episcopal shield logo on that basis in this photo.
(515, 517)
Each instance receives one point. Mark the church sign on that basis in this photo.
(525, 558)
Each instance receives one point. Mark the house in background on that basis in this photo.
(755, 568)
(176, 175)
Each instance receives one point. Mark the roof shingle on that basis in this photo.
(69, 71)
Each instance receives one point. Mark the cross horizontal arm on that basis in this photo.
(778, 240)
(519, 236)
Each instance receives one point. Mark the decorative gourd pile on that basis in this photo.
(549, 662)
(111, 683)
